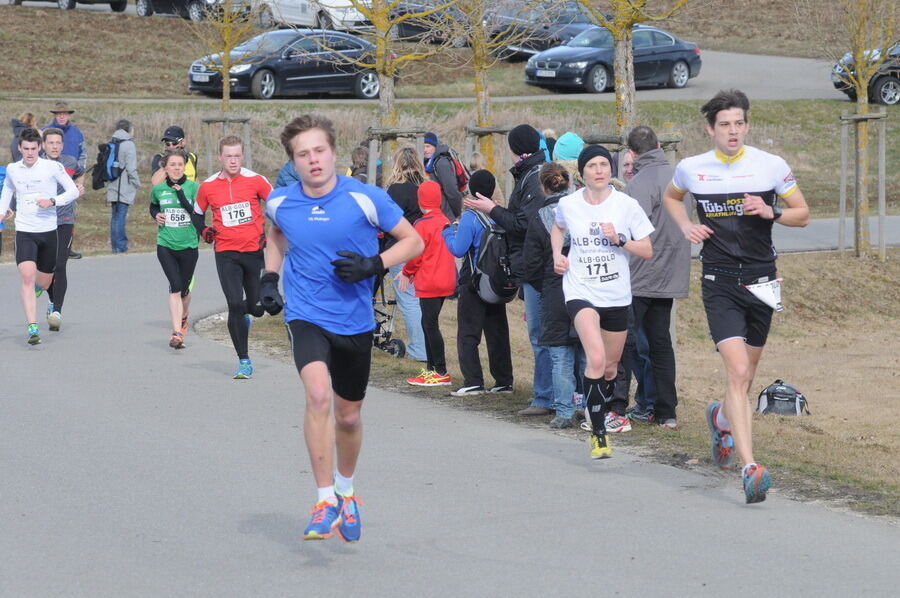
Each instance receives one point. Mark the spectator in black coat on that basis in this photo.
(556, 332)
(527, 197)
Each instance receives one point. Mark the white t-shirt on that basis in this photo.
(31, 184)
(598, 270)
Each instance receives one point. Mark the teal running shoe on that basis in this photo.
(245, 370)
(721, 443)
(323, 521)
(757, 482)
(34, 334)
(349, 524)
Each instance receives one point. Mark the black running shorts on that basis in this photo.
(348, 358)
(734, 312)
(39, 248)
(612, 319)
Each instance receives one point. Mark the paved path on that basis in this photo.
(131, 470)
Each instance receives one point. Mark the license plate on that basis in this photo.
(200, 78)
(546, 73)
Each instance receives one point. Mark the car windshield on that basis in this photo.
(592, 38)
(265, 43)
(568, 13)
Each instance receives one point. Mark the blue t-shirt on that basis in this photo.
(349, 218)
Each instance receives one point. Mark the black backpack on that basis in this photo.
(492, 276)
(781, 398)
(107, 168)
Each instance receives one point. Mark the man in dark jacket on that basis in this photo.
(73, 138)
(526, 199)
(439, 166)
(656, 282)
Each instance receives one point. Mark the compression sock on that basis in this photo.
(342, 485)
(595, 403)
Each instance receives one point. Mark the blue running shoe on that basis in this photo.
(757, 482)
(34, 334)
(349, 526)
(245, 370)
(721, 442)
(324, 519)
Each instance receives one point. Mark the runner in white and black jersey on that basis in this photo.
(736, 188)
(604, 225)
(33, 180)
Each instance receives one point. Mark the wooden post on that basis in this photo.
(882, 156)
(842, 201)
(227, 122)
(377, 138)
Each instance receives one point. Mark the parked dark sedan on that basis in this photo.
(434, 27)
(532, 28)
(291, 62)
(884, 87)
(586, 62)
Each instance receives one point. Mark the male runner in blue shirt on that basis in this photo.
(325, 235)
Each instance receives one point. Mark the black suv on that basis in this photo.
(292, 62)
(884, 88)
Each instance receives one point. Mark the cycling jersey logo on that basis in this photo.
(722, 209)
(708, 178)
(317, 211)
(790, 178)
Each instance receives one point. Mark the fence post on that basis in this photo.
(882, 156)
(842, 202)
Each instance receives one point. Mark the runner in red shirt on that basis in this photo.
(234, 195)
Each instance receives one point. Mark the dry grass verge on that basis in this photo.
(836, 341)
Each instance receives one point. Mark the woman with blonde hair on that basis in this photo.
(407, 173)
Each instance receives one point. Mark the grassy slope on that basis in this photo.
(146, 65)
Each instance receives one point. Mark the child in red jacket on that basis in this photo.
(434, 273)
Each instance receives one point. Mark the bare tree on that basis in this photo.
(866, 30)
(619, 17)
(227, 26)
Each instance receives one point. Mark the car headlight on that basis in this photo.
(531, 61)
(577, 65)
(240, 68)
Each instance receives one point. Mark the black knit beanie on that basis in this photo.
(482, 181)
(524, 139)
(590, 152)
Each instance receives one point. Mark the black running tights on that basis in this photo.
(239, 277)
(60, 284)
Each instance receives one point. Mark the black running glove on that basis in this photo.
(208, 234)
(269, 297)
(355, 267)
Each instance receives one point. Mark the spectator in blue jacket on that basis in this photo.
(474, 316)
(73, 138)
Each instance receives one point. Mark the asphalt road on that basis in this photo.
(129, 469)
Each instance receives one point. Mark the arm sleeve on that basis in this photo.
(785, 183)
(201, 202)
(263, 187)
(82, 153)
(459, 239)
(412, 266)
(131, 165)
(388, 214)
(680, 178)
(6, 196)
(639, 225)
(533, 251)
(70, 191)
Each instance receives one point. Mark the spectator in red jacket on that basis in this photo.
(434, 273)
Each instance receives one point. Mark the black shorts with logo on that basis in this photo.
(612, 319)
(732, 311)
(349, 358)
(39, 248)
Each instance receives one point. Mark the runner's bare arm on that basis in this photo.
(409, 244)
(276, 247)
(560, 262)
(797, 212)
(673, 199)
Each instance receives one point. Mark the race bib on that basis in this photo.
(26, 203)
(597, 267)
(768, 292)
(177, 217)
(236, 213)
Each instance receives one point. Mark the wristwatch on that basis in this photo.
(622, 240)
(776, 212)
(53, 201)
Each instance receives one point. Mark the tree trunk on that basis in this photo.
(387, 101)
(226, 80)
(624, 81)
(483, 109)
(861, 209)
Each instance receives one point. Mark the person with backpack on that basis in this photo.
(434, 272)
(121, 191)
(443, 166)
(475, 316)
(527, 197)
(173, 139)
(172, 207)
(556, 323)
(604, 226)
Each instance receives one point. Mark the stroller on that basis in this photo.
(384, 320)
